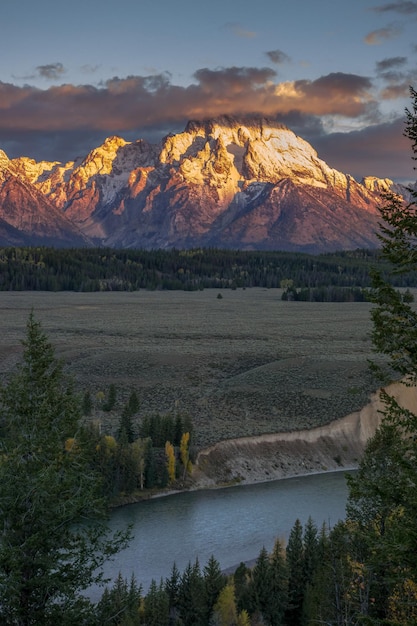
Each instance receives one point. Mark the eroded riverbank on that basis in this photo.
(338, 445)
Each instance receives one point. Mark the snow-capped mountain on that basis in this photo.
(224, 182)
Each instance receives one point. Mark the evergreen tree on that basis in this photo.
(125, 430)
(241, 579)
(87, 406)
(382, 506)
(279, 586)
(310, 545)
(53, 533)
(261, 586)
(156, 606)
(192, 598)
(296, 581)
(172, 587)
(132, 406)
(111, 398)
(120, 604)
(214, 581)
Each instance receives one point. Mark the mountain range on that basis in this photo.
(249, 184)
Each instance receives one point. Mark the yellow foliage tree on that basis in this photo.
(402, 604)
(225, 611)
(170, 454)
(138, 450)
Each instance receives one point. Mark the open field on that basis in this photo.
(242, 365)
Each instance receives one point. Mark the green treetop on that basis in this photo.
(53, 537)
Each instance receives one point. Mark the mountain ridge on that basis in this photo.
(224, 182)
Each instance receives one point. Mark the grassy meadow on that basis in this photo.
(244, 364)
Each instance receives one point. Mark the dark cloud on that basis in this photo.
(52, 71)
(233, 78)
(336, 94)
(376, 37)
(401, 7)
(388, 64)
(67, 121)
(277, 56)
(380, 150)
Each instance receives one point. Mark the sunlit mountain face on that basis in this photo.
(249, 184)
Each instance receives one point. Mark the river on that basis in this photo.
(233, 524)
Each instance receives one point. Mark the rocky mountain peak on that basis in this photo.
(228, 181)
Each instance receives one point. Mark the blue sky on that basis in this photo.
(336, 72)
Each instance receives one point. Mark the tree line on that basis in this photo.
(104, 269)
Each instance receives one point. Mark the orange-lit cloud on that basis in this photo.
(138, 101)
(66, 121)
(376, 37)
(337, 94)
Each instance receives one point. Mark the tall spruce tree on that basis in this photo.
(382, 505)
(53, 533)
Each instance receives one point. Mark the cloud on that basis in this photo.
(138, 101)
(380, 150)
(67, 121)
(342, 94)
(239, 31)
(277, 56)
(376, 37)
(52, 71)
(401, 7)
(89, 69)
(233, 79)
(388, 64)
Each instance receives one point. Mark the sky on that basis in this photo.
(336, 72)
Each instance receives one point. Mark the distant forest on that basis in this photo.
(104, 269)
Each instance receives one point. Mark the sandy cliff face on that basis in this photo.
(338, 445)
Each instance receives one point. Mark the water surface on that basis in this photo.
(233, 524)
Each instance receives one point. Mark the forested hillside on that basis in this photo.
(103, 269)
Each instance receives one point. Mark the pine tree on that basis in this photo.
(53, 533)
(172, 587)
(111, 398)
(156, 607)
(279, 585)
(120, 603)
(260, 588)
(382, 506)
(192, 598)
(125, 430)
(214, 581)
(296, 583)
(87, 406)
(241, 579)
